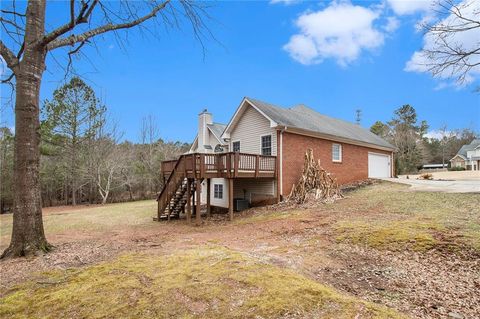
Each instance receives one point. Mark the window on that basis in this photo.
(218, 191)
(236, 146)
(267, 145)
(336, 152)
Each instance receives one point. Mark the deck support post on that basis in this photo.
(189, 198)
(230, 198)
(198, 189)
(208, 197)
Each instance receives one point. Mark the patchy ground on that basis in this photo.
(382, 252)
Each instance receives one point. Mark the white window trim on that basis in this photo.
(340, 151)
(214, 192)
(271, 144)
(240, 145)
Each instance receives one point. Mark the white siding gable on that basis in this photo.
(249, 131)
(210, 139)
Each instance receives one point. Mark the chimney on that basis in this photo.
(204, 118)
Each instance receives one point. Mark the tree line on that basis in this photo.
(414, 147)
(83, 159)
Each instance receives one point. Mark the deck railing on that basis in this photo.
(232, 164)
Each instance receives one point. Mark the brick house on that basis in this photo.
(258, 156)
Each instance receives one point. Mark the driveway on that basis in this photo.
(464, 186)
(450, 175)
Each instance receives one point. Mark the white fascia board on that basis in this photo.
(458, 155)
(218, 139)
(238, 114)
(194, 145)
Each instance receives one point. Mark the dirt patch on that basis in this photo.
(425, 285)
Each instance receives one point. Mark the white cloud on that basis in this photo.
(442, 85)
(392, 24)
(438, 134)
(467, 40)
(341, 31)
(404, 7)
(285, 2)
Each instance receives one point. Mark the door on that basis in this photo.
(378, 165)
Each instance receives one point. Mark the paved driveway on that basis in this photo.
(470, 186)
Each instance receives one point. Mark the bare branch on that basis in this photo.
(105, 28)
(9, 57)
(446, 54)
(82, 17)
(8, 79)
(72, 13)
(12, 23)
(13, 12)
(73, 52)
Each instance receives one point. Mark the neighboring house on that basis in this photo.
(468, 157)
(259, 155)
(427, 167)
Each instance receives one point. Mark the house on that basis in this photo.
(258, 156)
(468, 157)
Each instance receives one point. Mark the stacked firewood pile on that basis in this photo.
(315, 184)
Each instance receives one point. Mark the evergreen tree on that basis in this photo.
(74, 115)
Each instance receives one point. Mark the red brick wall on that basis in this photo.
(354, 165)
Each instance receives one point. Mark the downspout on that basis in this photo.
(281, 160)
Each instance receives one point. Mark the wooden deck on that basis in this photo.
(223, 165)
(183, 176)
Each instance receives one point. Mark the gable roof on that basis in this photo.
(468, 147)
(217, 130)
(306, 119)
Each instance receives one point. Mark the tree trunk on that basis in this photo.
(28, 236)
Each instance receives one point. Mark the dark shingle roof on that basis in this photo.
(303, 117)
(217, 129)
(468, 147)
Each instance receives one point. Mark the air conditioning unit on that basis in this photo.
(240, 204)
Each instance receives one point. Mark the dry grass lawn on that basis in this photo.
(416, 220)
(382, 252)
(210, 282)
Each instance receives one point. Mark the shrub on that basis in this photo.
(426, 176)
(456, 169)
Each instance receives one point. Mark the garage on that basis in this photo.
(378, 165)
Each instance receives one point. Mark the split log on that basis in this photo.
(315, 183)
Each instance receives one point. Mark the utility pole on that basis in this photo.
(358, 116)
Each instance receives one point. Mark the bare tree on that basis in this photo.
(452, 46)
(149, 136)
(109, 168)
(24, 49)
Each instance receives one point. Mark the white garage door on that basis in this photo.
(378, 165)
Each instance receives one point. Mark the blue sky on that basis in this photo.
(170, 78)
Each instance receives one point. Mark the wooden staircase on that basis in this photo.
(174, 195)
(177, 203)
